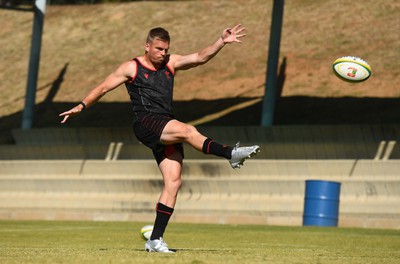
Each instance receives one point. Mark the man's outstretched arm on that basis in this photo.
(229, 35)
(118, 77)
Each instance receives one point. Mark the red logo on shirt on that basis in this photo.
(167, 74)
(146, 76)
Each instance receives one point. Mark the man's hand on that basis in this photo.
(73, 111)
(230, 35)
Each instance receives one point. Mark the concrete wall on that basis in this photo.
(262, 192)
(106, 174)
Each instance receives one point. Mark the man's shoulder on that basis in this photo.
(127, 69)
(172, 58)
(171, 62)
(130, 64)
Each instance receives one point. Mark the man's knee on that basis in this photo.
(173, 185)
(189, 131)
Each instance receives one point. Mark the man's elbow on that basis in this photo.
(102, 91)
(202, 60)
(106, 87)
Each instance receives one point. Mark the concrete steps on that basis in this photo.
(106, 174)
(262, 192)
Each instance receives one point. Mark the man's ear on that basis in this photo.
(147, 47)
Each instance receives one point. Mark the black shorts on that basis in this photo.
(148, 128)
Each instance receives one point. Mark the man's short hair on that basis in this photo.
(158, 33)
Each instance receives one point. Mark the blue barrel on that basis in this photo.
(321, 203)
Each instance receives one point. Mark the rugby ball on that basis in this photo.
(146, 231)
(351, 69)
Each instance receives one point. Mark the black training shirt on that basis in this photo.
(151, 90)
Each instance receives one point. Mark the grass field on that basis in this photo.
(119, 242)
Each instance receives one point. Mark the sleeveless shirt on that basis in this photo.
(151, 91)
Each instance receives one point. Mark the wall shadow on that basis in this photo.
(295, 110)
(344, 110)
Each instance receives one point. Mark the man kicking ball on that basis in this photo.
(149, 80)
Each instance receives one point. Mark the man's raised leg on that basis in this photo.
(176, 131)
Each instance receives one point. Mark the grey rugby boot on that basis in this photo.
(157, 245)
(240, 154)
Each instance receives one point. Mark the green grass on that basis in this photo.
(119, 242)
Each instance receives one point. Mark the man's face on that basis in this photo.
(157, 50)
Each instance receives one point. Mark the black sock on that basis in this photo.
(212, 147)
(163, 214)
